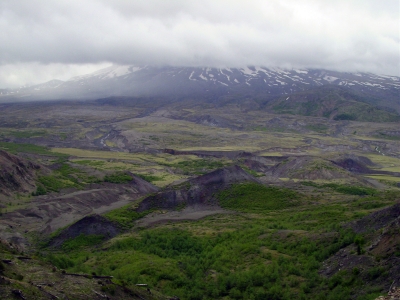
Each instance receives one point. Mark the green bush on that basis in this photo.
(82, 241)
(52, 183)
(256, 197)
(118, 178)
(149, 178)
(40, 190)
(125, 215)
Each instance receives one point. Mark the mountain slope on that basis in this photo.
(332, 102)
(206, 82)
(16, 175)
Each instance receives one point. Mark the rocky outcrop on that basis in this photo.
(17, 175)
(199, 190)
(354, 164)
(393, 294)
(378, 261)
(89, 225)
(376, 220)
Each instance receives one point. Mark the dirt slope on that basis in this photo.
(16, 175)
(308, 168)
(48, 213)
(89, 225)
(378, 263)
(197, 191)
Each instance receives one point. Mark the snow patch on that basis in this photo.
(248, 71)
(202, 77)
(190, 77)
(330, 78)
(121, 71)
(281, 82)
(301, 71)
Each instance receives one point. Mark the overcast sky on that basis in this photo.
(46, 39)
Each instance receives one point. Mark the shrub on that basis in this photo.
(118, 178)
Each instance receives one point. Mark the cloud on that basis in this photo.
(347, 35)
(25, 74)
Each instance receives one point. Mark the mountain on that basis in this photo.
(133, 81)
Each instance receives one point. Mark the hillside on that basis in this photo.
(334, 103)
(204, 83)
(17, 175)
(197, 191)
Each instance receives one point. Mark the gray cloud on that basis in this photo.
(66, 37)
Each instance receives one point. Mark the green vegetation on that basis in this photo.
(273, 249)
(252, 197)
(344, 189)
(64, 177)
(92, 163)
(53, 184)
(255, 260)
(28, 148)
(27, 133)
(321, 128)
(40, 190)
(149, 178)
(125, 215)
(252, 172)
(82, 241)
(118, 178)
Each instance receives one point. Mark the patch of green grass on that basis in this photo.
(150, 178)
(118, 178)
(252, 197)
(63, 136)
(252, 172)
(64, 177)
(54, 184)
(125, 215)
(27, 133)
(92, 163)
(82, 241)
(28, 148)
(40, 190)
(321, 128)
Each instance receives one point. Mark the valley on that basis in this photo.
(234, 198)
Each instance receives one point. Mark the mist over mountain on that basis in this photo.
(133, 81)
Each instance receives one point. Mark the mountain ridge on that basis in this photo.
(195, 81)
